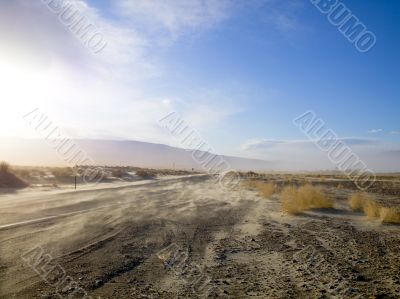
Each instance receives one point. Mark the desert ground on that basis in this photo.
(188, 237)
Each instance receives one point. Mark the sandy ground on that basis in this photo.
(189, 238)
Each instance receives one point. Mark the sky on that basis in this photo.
(237, 71)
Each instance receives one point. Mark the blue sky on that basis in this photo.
(237, 71)
(309, 65)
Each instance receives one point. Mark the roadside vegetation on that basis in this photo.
(9, 180)
(145, 174)
(4, 167)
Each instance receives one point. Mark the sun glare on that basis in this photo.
(22, 89)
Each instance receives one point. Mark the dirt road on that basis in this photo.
(189, 238)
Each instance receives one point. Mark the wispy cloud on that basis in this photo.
(283, 14)
(175, 17)
(395, 132)
(374, 131)
(106, 94)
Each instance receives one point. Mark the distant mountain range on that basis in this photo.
(20, 151)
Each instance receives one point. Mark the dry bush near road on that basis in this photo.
(117, 173)
(4, 166)
(296, 200)
(145, 173)
(9, 179)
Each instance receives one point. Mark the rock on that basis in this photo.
(99, 282)
(361, 277)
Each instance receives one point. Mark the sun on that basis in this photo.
(21, 88)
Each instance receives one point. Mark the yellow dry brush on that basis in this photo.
(364, 202)
(390, 215)
(266, 189)
(307, 197)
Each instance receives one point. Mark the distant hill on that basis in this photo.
(20, 151)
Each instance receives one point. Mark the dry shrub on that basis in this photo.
(117, 173)
(266, 189)
(358, 200)
(289, 200)
(372, 209)
(361, 201)
(10, 180)
(364, 202)
(145, 174)
(24, 173)
(313, 198)
(307, 197)
(390, 215)
(4, 167)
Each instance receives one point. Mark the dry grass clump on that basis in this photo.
(357, 201)
(313, 198)
(372, 209)
(266, 189)
(289, 200)
(390, 215)
(364, 202)
(296, 200)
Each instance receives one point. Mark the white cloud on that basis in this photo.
(178, 16)
(374, 131)
(107, 94)
(395, 132)
(45, 65)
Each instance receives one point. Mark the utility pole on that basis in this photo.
(75, 182)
